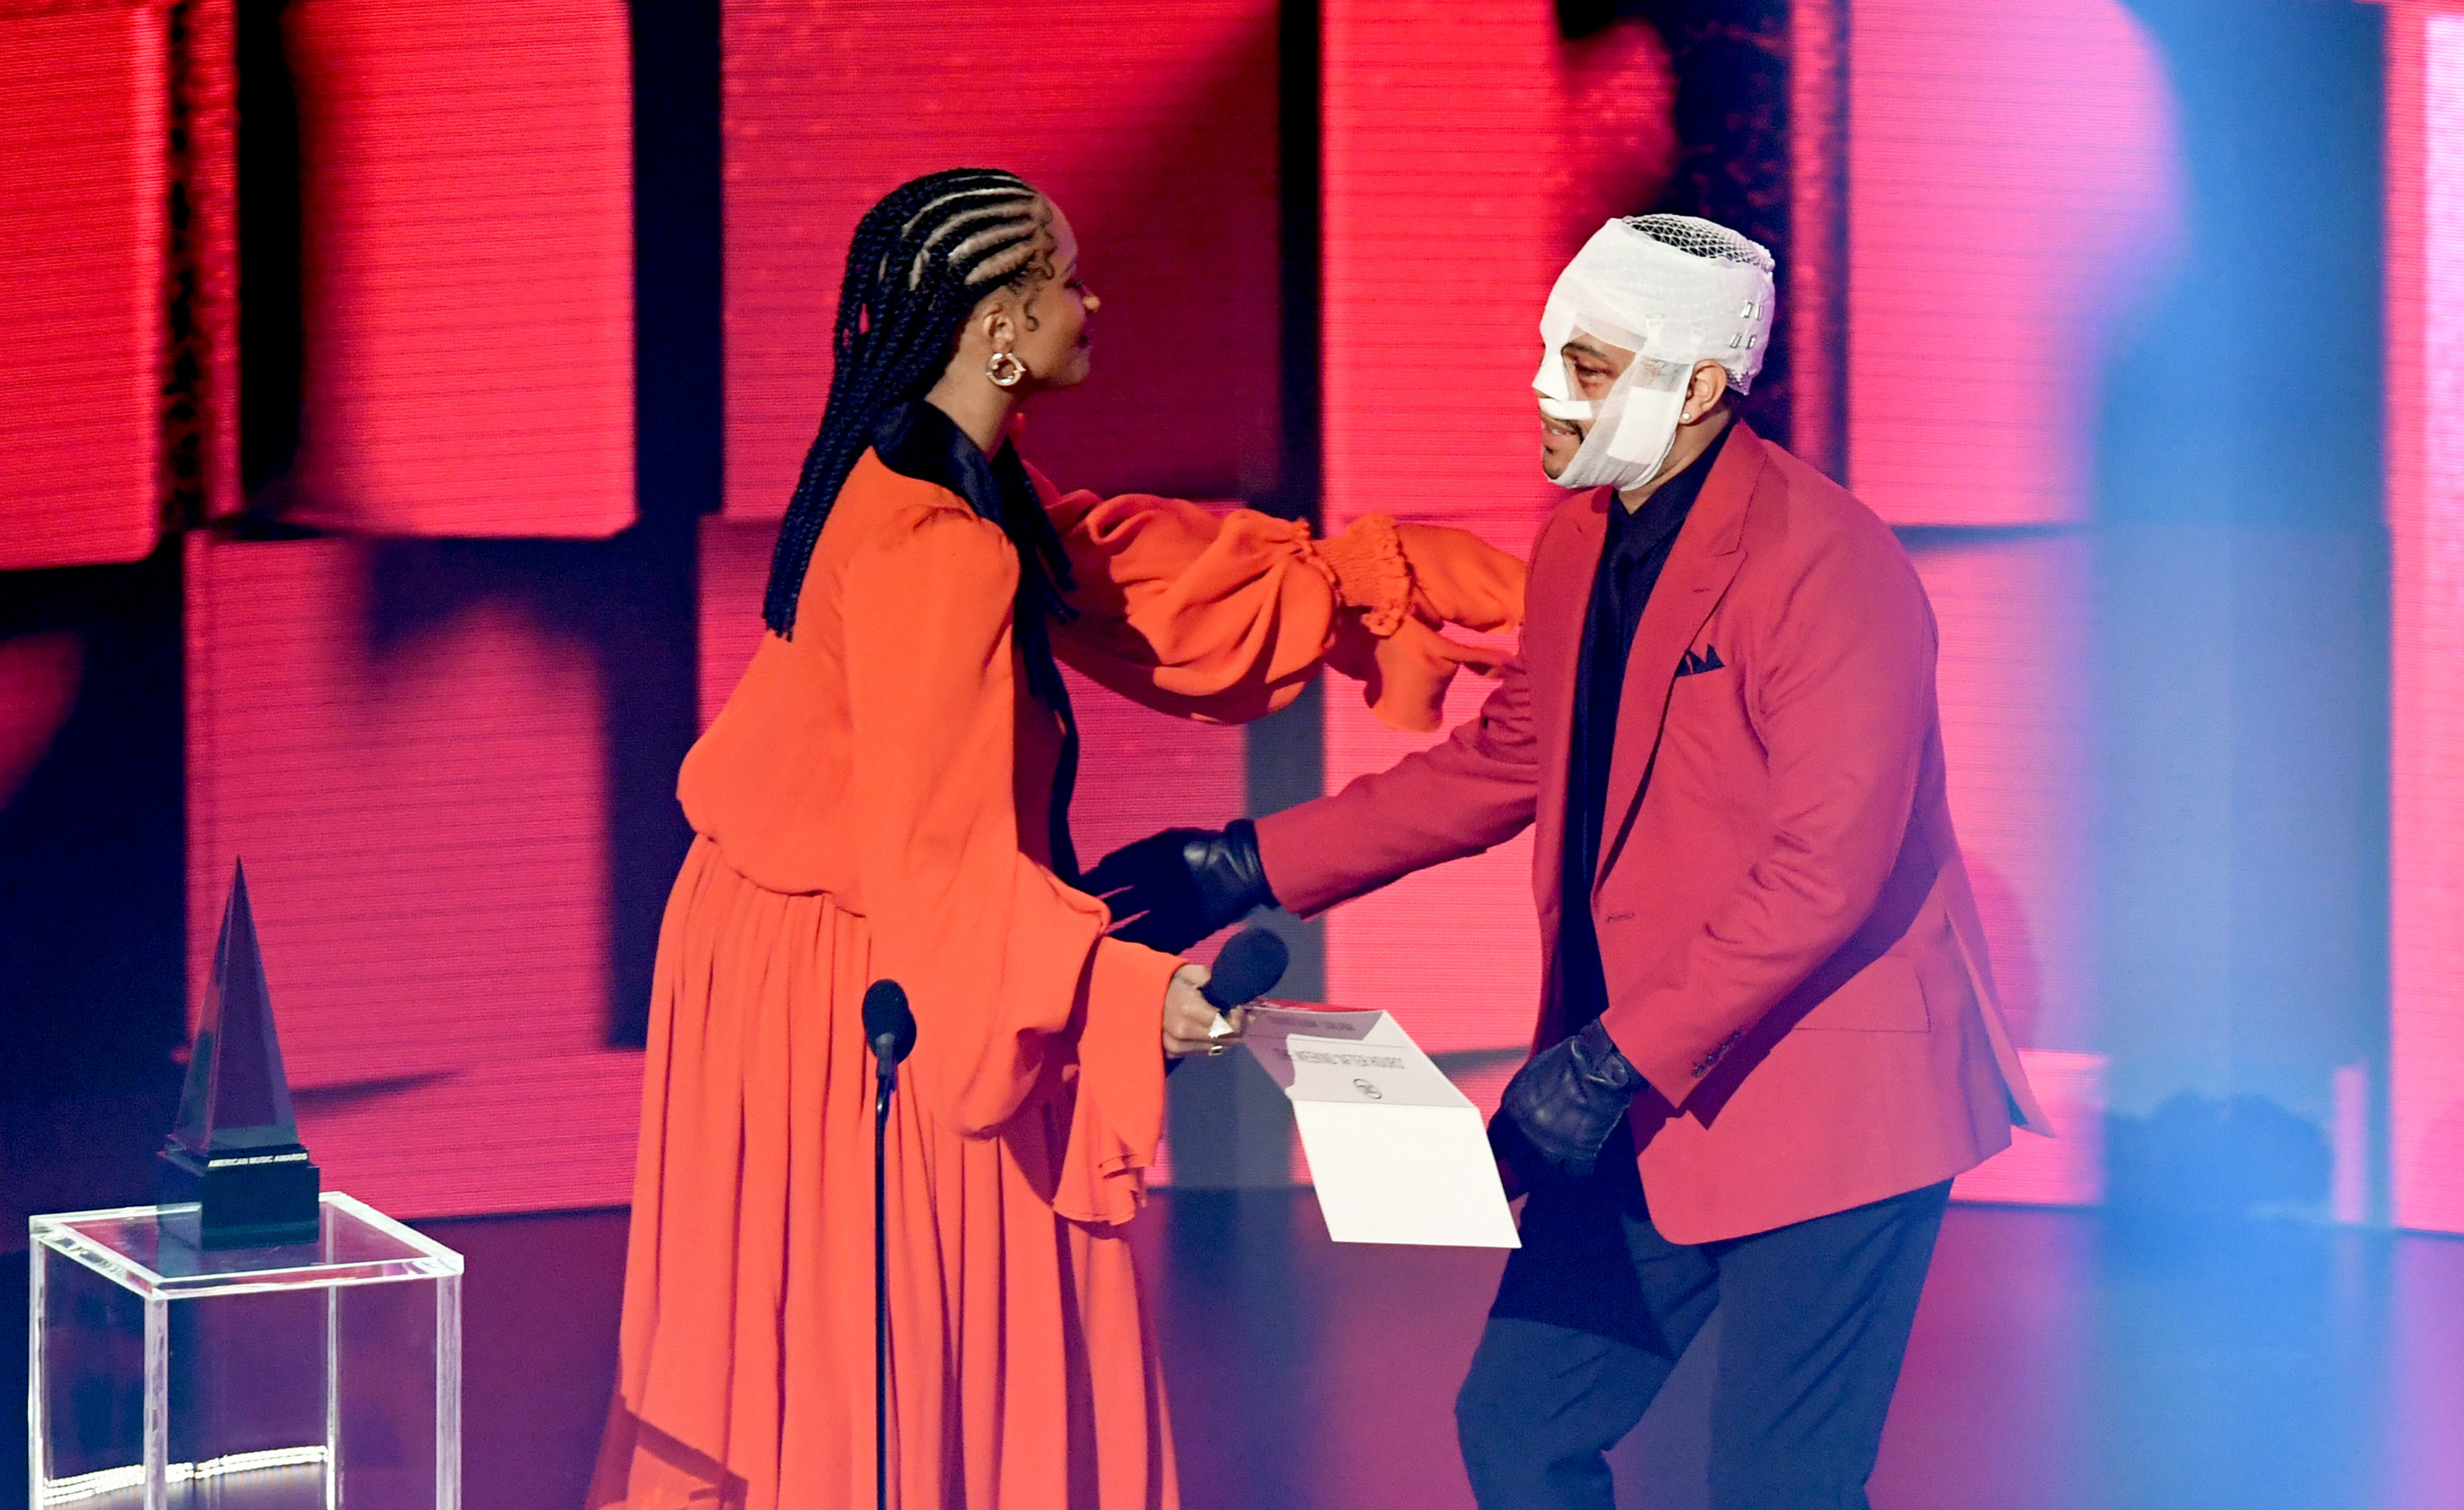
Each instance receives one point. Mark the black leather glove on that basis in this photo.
(1177, 888)
(1560, 1108)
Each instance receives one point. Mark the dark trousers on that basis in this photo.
(1596, 1307)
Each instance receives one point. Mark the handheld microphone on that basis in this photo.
(888, 1028)
(1253, 960)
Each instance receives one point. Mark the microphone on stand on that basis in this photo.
(890, 1027)
(889, 1031)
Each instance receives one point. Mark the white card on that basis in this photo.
(1399, 1155)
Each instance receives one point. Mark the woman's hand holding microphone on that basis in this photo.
(1191, 1022)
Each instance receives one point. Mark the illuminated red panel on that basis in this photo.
(2424, 1390)
(468, 274)
(1140, 770)
(208, 254)
(2013, 616)
(1475, 117)
(2065, 1170)
(419, 795)
(2426, 524)
(82, 132)
(40, 676)
(1455, 951)
(2013, 679)
(2010, 190)
(734, 568)
(1813, 280)
(1152, 123)
(515, 1135)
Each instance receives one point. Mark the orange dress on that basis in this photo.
(871, 804)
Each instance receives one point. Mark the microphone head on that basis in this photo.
(1253, 960)
(887, 1015)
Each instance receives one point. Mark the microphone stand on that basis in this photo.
(889, 1031)
(886, 1072)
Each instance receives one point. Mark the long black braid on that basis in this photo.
(920, 262)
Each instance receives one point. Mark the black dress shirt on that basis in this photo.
(1636, 548)
(917, 440)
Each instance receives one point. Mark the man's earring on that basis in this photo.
(1005, 369)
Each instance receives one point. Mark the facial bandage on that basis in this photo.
(1674, 290)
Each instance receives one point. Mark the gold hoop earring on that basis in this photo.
(1005, 369)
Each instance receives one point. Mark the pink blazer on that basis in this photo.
(1792, 949)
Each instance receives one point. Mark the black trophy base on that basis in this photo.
(255, 1198)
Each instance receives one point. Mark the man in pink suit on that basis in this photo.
(1768, 1035)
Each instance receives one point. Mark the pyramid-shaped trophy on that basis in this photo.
(233, 1172)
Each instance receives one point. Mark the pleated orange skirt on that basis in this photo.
(1023, 1370)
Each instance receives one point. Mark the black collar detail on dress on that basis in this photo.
(915, 439)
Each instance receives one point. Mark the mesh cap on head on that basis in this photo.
(1705, 238)
(1675, 288)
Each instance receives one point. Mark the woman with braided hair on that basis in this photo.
(884, 796)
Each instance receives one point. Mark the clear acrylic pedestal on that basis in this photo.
(320, 1376)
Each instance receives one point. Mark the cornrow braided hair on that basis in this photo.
(920, 262)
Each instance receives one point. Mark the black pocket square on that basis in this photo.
(1695, 665)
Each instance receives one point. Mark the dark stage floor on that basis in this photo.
(2061, 1360)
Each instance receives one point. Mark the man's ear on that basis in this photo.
(1708, 384)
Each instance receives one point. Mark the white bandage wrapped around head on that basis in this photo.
(1676, 291)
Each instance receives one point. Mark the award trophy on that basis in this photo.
(234, 1154)
(251, 1342)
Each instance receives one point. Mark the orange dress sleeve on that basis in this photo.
(1019, 1000)
(1225, 618)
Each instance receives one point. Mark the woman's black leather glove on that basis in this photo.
(1177, 888)
(1560, 1108)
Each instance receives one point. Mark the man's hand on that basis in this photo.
(1189, 1019)
(1560, 1108)
(1176, 887)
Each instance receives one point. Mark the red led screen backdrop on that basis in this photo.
(1140, 770)
(201, 441)
(735, 567)
(2017, 725)
(1467, 153)
(2010, 191)
(39, 678)
(2017, 721)
(1814, 280)
(415, 779)
(1151, 122)
(467, 277)
(2426, 526)
(84, 91)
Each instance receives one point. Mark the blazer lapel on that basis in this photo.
(1551, 659)
(1703, 561)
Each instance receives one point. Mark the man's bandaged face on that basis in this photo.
(1678, 290)
(1593, 366)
